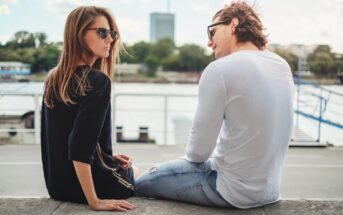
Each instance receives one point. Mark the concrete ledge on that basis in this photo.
(45, 206)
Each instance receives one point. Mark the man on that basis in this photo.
(245, 101)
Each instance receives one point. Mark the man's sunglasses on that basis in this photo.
(211, 32)
(103, 32)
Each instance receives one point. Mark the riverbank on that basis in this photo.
(162, 77)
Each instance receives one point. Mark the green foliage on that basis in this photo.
(291, 58)
(193, 58)
(162, 49)
(140, 50)
(164, 53)
(323, 62)
(31, 48)
(152, 63)
(34, 49)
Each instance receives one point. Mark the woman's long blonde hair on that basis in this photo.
(62, 79)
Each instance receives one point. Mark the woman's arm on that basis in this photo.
(84, 173)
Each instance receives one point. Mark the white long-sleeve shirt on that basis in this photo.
(244, 119)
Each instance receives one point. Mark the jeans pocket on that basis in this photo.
(192, 194)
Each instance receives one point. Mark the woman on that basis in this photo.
(76, 117)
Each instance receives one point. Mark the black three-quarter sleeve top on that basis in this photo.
(71, 133)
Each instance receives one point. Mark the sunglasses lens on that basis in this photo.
(102, 33)
(113, 34)
(210, 33)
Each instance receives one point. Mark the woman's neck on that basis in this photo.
(88, 61)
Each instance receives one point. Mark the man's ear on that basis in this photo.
(234, 23)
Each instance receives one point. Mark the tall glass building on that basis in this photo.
(162, 25)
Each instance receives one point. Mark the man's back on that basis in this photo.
(257, 125)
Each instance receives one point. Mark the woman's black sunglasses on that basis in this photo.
(103, 33)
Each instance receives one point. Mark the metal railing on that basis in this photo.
(312, 102)
(37, 109)
(166, 110)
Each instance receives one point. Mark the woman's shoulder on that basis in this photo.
(96, 78)
(95, 82)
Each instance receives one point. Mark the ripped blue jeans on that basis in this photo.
(181, 180)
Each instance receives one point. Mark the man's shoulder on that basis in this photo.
(232, 58)
(246, 57)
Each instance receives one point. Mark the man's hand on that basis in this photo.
(124, 160)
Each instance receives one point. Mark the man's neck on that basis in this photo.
(246, 46)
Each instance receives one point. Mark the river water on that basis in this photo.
(148, 109)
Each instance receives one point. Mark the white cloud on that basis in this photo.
(146, 1)
(203, 8)
(130, 28)
(4, 38)
(4, 9)
(63, 7)
(8, 1)
(131, 25)
(318, 24)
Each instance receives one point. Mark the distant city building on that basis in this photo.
(14, 68)
(162, 25)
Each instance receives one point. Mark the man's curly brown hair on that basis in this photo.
(249, 28)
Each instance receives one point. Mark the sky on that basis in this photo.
(308, 22)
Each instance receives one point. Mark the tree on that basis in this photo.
(45, 58)
(172, 62)
(152, 63)
(338, 67)
(193, 58)
(162, 48)
(322, 61)
(126, 56)
(140, 50)
(291, 58)
(41, 38)
(22, 39)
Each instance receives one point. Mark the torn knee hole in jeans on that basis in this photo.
(152, 169)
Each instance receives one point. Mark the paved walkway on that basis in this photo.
(312, 183)
(160, 207)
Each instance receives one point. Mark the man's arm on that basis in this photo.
(209, 116)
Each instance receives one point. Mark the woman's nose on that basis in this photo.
(108, 39)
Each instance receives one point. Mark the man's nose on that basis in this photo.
(209, 43)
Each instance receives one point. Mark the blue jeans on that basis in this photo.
(181, 180)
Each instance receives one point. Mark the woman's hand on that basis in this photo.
(124, 160)
(83, 171)
(110, 204)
